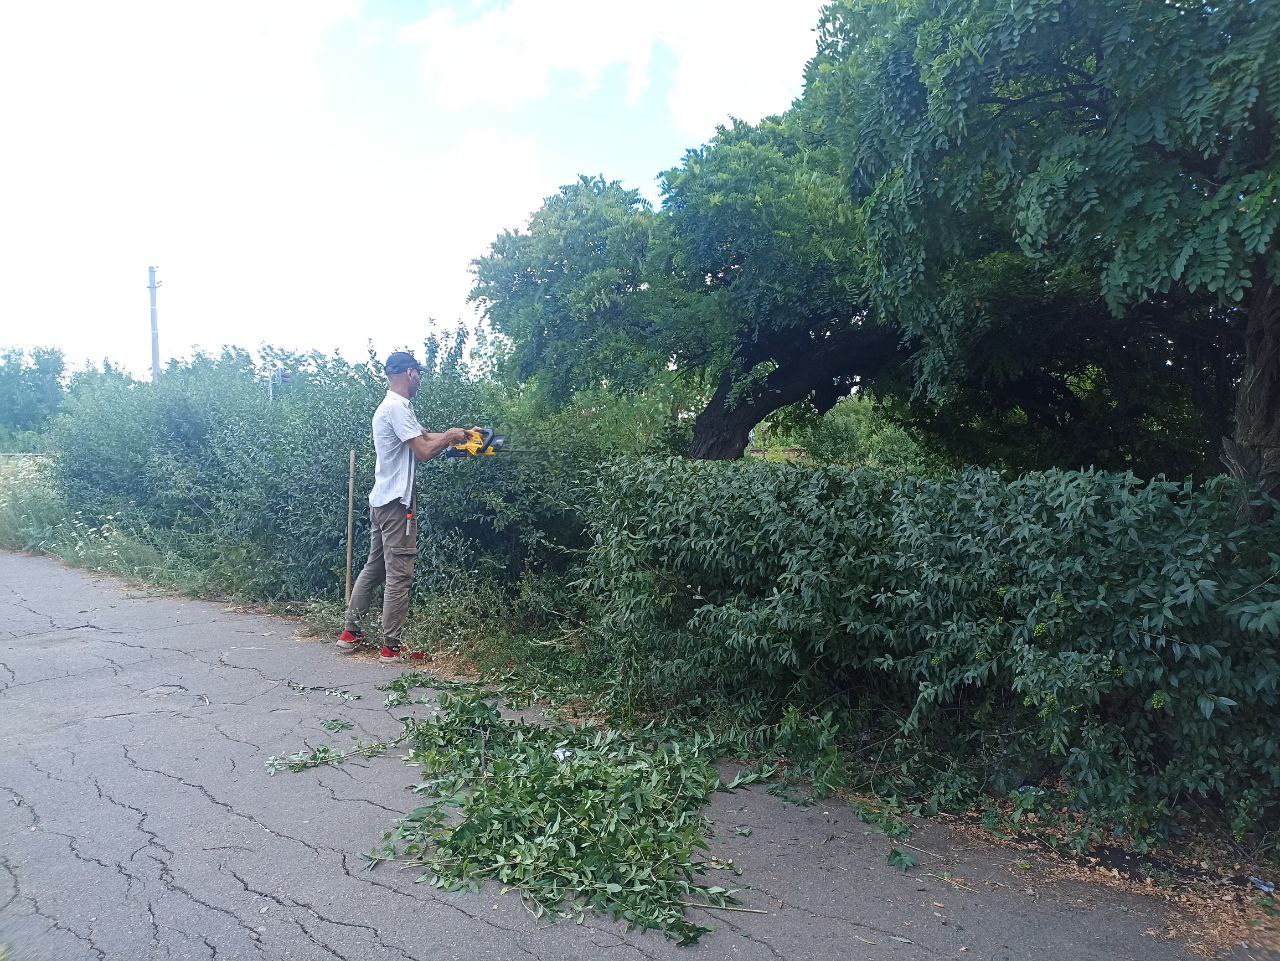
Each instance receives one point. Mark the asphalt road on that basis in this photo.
(138, 822)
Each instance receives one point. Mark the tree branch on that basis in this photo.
(1067, 91)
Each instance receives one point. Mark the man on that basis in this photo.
(399, 441)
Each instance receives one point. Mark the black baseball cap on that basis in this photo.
(401, 361)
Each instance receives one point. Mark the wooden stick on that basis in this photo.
(720, 907)
(958, 884)
(351, 515)
(905, 844)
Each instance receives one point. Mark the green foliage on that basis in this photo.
(30, 509)
(1147, 129)
(806, 747)
(30, 389)
(899, 858)
(863, 431)
(761, 221)
(572, 293)
(34, 516)
(746, 280)
(400, 690)
(339, 692)
(23, 442)
(1132, 142)
(985, 632)
(253, 491)
(1054, 210)
(1044, 376)
(574, 819)
(596, 424)
(322, 756)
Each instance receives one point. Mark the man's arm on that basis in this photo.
(429, 445)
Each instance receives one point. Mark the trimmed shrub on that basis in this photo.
(253, 489)
(1114, 638)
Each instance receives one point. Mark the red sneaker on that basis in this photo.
(348, 641)
(391, 655)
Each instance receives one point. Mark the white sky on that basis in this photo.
(319, 173)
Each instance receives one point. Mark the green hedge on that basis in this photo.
(253, 490)
(1113, 638)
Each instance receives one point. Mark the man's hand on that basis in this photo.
(430, 445)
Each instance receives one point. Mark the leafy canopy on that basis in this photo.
(1140, 132)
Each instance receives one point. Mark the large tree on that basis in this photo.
(1064, 214)
(747, 278)
(1137, 135)
(760, 220)
(575, 295)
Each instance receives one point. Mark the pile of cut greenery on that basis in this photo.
(575, 819)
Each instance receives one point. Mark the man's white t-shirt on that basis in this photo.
(394, 425)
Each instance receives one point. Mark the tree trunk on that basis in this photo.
(824, 369)
(722, 432)
(1253, 453)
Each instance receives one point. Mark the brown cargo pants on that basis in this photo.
(393, 545)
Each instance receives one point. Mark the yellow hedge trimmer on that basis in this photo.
(480, 442)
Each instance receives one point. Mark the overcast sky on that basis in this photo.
(319, 173)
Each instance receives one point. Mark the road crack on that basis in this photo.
(203, 791)
(38, 911)
(292, 904)
(832, 917)
(366, 877)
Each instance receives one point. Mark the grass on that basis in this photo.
(30, 511)
(34, 517)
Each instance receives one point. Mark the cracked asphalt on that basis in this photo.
(138, 821)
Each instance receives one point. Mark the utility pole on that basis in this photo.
(155, 329)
